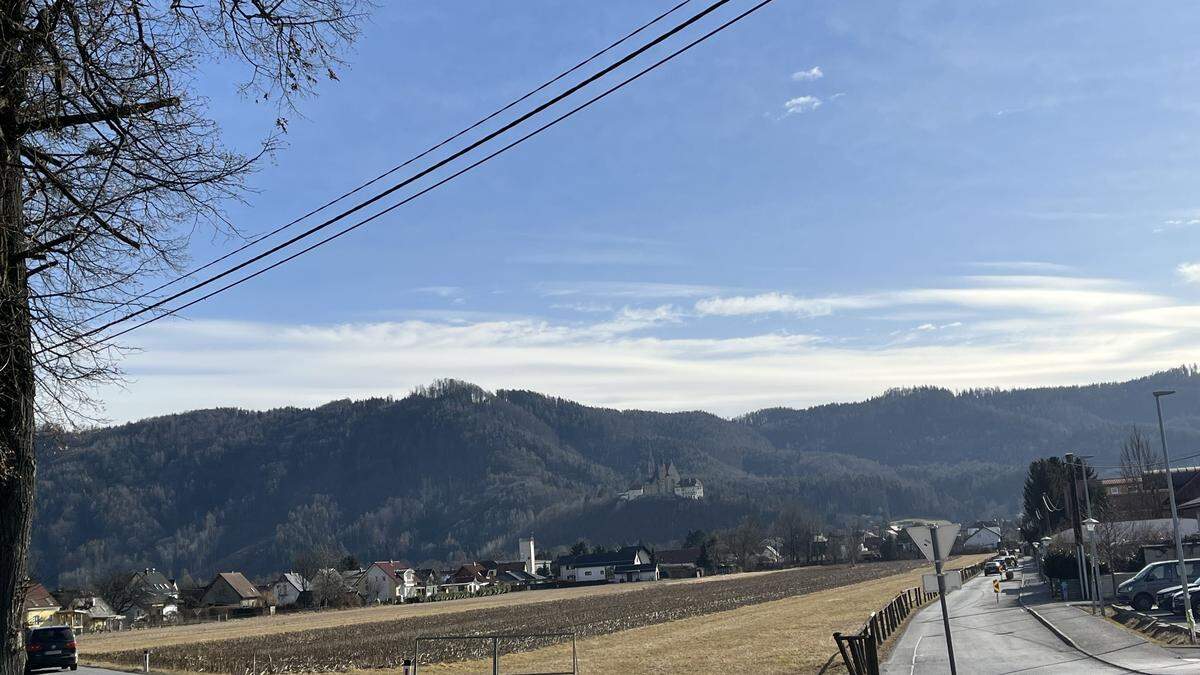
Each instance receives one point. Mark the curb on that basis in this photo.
(1067, 640)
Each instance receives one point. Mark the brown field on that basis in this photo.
(675, 626)
(793, 635)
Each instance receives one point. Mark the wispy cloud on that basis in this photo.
(814, 73)
(646, 290)
(800, 105)
(1006, 330)
(1189, 272)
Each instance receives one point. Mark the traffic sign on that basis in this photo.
(950, 581)
(922, 536)
(996, 586)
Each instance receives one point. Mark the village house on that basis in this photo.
(468, 578)
(288, 587)
(630, 563)
(679, 563)
(85, 613)
(388, 581)
(981, 539)
(39, 606)
(231, 589)
(152, 597)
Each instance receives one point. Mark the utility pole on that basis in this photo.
(1076, 526)
(1183, 577)
(1091, 530)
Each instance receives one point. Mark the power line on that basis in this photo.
(358, 207)
(443, 181)
(394, 169)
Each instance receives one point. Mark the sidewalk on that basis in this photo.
(1102, 639)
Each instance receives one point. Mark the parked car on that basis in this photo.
(50, 647)
(1177, 600)
(992, 567)
(1140, 590)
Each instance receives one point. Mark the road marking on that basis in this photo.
(915, 648)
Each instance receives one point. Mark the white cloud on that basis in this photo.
(801, 104)
(1190, 272)
(814, 73)
(1014, 331)
(1017, 293)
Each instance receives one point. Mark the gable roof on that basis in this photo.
(623, 556)
(678, 556)
(37, 597)
(239, 583)
(295, 579)
(989, 528)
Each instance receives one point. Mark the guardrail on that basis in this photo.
(860, 651)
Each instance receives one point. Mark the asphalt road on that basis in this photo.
(990, 636)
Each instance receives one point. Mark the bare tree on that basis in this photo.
(795, 528)
(1143, 488)
(107, 165)
(746, 542)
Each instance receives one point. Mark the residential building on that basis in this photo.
(39, 607)
(288, 587)
(151, 596)
(981, 539)
(679, 563)
(85, 613)
(231, 589)
(604, 566)
(388, 581)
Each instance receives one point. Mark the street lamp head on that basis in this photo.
(1091, 524)
(1163, 392)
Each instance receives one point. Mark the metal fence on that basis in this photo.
(496, 640)
(860, 651)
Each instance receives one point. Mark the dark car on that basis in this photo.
(50, 647)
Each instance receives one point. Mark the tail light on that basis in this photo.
(33, 647)
(71, 645)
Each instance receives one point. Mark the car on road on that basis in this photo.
(50, 647)
(1139, 591)
(992, 567)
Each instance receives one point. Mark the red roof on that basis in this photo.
(393, 568)
(37, 597)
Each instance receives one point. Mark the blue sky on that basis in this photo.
(825, 201)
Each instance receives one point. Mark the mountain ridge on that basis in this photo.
(452, 471)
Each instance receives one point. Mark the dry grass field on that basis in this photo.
(769, 622)
(793, 635)
(155, 638)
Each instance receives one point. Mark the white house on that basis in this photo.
(288, 587)
(388, 581)
(981, 539)
(690, 488)
(604, 566)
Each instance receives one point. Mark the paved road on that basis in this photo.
(989, 637)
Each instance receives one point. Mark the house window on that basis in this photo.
(587, 573)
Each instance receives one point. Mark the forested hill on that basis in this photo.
(452, 471)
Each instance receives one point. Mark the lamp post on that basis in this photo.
(1090, 524)
(1183, 577)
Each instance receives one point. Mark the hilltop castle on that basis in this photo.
(665, 481)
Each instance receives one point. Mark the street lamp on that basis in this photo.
(1183, 577)
(1090, 524)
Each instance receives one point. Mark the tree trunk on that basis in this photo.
(17, 463)
(17, 466)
